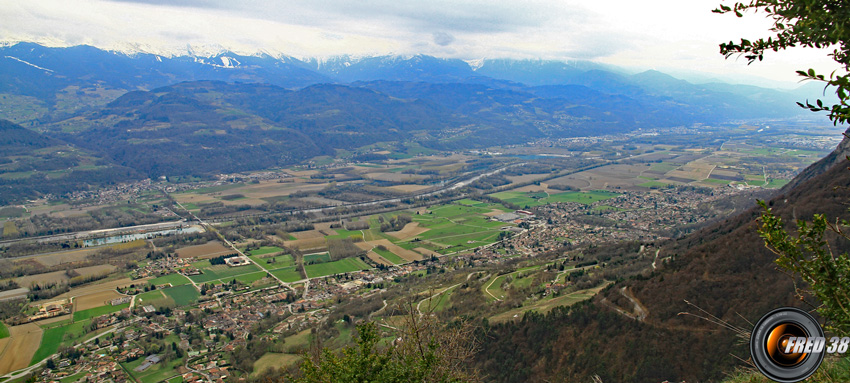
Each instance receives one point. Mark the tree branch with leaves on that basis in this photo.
(810, 256)
(821, 24)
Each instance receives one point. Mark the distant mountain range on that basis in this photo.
(28, 69)
(148, 115)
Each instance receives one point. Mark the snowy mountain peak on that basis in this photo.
(475, 64)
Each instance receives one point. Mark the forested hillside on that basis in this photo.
(32, 165)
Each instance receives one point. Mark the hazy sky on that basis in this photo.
(659, 34)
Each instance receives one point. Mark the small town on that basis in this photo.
(226, 315)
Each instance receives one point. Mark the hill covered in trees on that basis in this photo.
(32, 165)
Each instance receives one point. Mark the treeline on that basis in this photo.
(395, 223)
(490, 182)
(344, 248)
(51, 289)
(563, 187)
(220, 260)
(47, 290)
(491, 199)
(9, 285)
(354, 225)
(12, 307)
(108, 217)
(123, 258)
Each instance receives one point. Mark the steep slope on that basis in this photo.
(724, 269)
(33, 165)
(205, 128)
(181, 130)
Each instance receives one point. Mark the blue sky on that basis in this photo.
(670, 35)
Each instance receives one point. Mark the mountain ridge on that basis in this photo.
(54, 75)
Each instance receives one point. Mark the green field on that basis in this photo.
(98, 311)
(472, 202)
(335, 267)
(776, 184)
(522, 281)
(495, 288)
(317, 258)
(653, 184)
(440, 302)
(182, 295)
(545, 305)
(532, 199)
(60, 334)
(4, 331)
(265, 250)
(388, 255)
(50, 341)
(287, 274)
(277, 261)
(212, 273)
(275, 360)
(487, 205)
(156, 298)
(663, 167)
(247, 279)
(452, 211)
(175, 279)
(295, 343)
(455, 227)
(190, 206)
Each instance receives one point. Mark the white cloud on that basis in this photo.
(648, 34)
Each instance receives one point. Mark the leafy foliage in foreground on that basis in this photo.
(807, 23)
(421, 349)
(413, 358)
(810, 255)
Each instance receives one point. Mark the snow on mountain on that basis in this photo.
(29, 63)
(475, 64)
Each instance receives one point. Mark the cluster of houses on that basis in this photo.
(52, 309)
